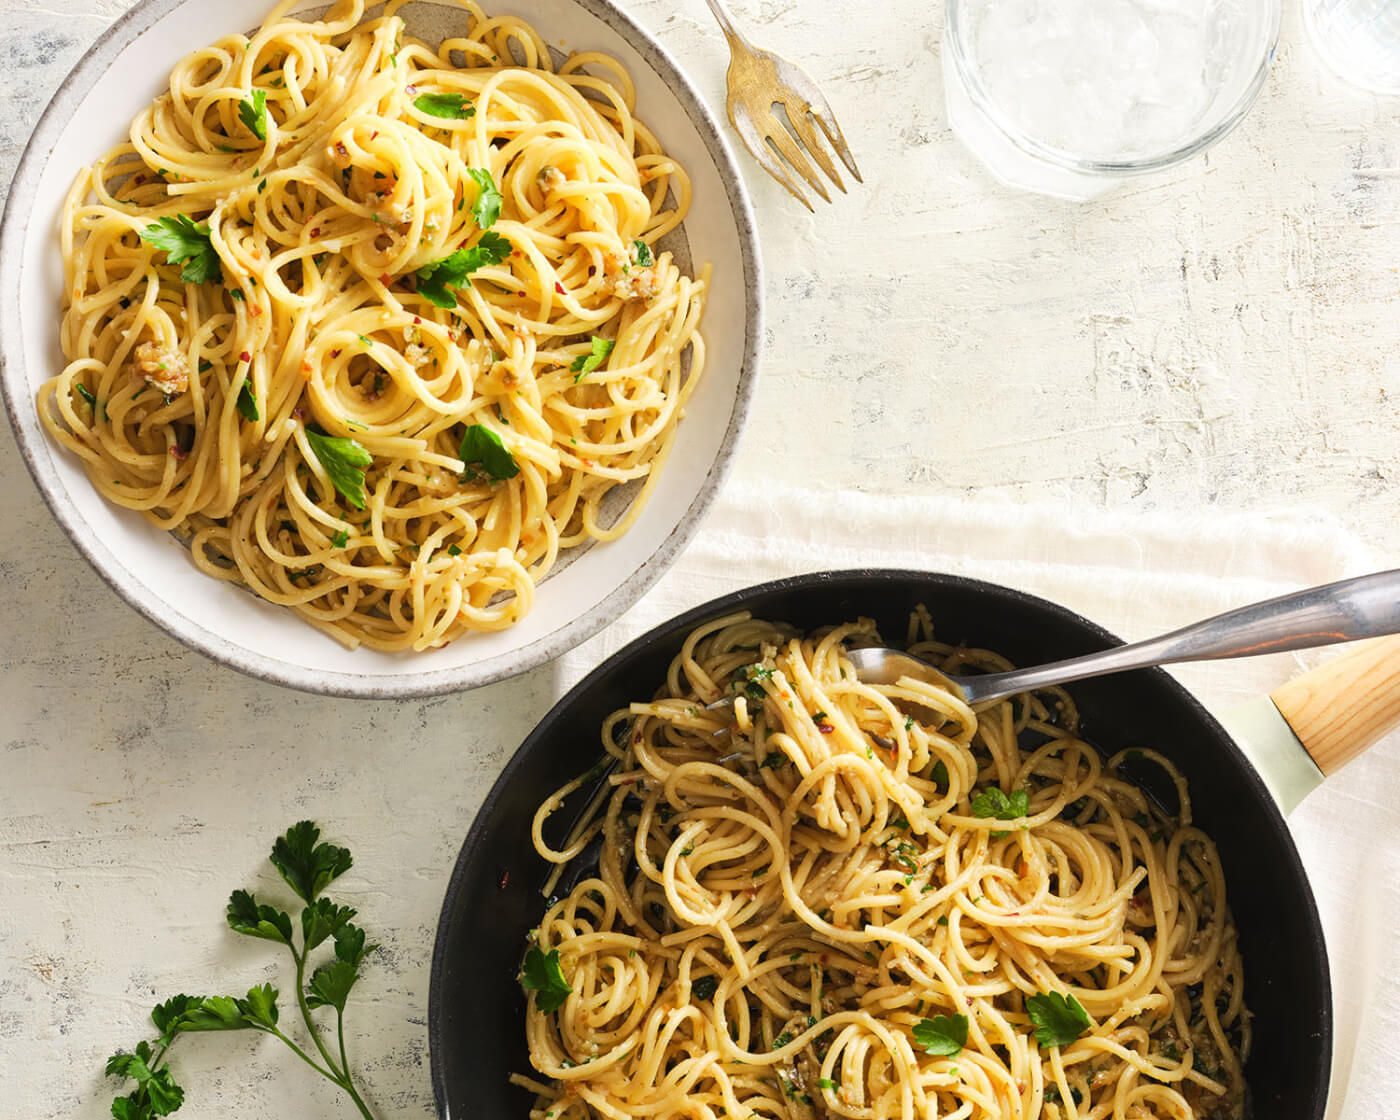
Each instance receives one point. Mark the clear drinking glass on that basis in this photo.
(1070, 97)
(1359, 39)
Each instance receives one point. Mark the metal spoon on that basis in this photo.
(1366, 607)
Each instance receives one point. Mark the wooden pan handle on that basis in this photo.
(1346, 704)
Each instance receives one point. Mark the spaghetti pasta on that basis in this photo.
(838, 899)
(380, 328)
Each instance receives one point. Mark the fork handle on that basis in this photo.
(725, 20)
(1366, 607)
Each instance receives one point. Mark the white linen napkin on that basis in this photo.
(1138, 575)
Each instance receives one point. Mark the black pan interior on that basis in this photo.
(476, 1008)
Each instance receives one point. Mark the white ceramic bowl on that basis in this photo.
(91, 112)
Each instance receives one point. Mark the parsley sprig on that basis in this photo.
(308, 866)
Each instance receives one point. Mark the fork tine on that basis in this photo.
(753, 140)
(803, 86)
(807, 135)
(780, 138)
(827, 119)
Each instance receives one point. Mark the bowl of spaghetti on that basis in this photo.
(426, 332)
(782, 892)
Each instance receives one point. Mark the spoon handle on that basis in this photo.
(1344, 705)
(1366, 607)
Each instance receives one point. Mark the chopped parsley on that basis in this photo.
(247, 403)
(341, 539)
(644, 255)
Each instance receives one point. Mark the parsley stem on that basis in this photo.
(345, 1064)
(305, 1057)
(338, 1075)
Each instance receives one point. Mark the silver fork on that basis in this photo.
(1365, 607)
(758, 80)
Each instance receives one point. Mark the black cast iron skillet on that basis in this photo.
(476, 1008)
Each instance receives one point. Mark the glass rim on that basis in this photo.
(1046, 153)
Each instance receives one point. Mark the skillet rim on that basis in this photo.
(745, 598)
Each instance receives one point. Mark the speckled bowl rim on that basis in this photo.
(14, 386)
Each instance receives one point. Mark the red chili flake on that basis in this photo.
(637, 738)
(307, 367)
(245, 357)
(417, 321)
(335, 353)
(558, 287)
(386, 279)
(375, 136)
(316, 232)
(179, 452)
(503, 879)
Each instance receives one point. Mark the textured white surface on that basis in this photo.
(1217, 340)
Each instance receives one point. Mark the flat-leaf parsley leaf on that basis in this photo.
(188, 243)
(344, 460)
(448, 106)
(994, 803)
(308, 866)
(487, 207)
(254, 113)
(435, 279)
(943, 1035)
(1058, 1019)
(482, 446)
(585, 364)
(544, 976)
